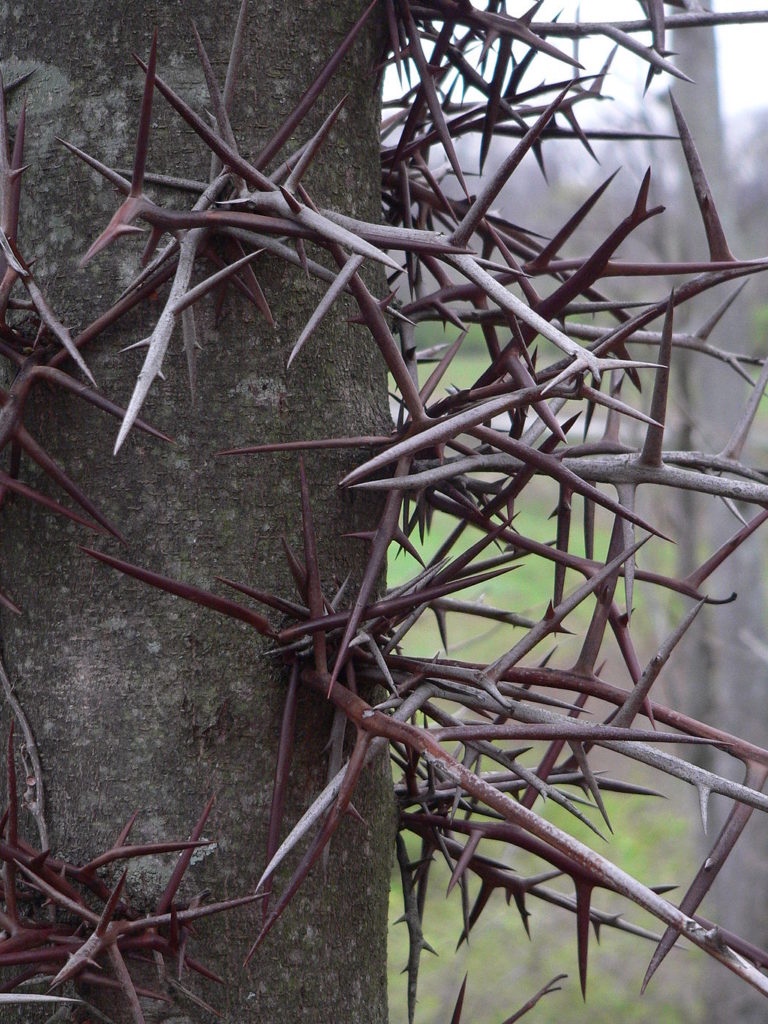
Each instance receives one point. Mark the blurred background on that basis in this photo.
(721, 670)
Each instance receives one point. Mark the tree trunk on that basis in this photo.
(725, 677)
(137, 699)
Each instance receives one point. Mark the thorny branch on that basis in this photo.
(472, 457)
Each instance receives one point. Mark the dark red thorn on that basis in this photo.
(14, 982)
(310, 150)
(353, 813)
(563, 513)
(400, 538)
(42, 499)
(220, 277)
(719, 251)
(703, 332)
(9, 869)
(37, 863)
(16, 83)
(379, 328)
(282, 769)
(307, 101)
(371, 441)
(492, 106)
(133, 298)
(117, 180)
(155, 235)
(145, 120)
(408, 145)
(46, 463)
(583, 897)
(552, 466)
(553, 247)
(182, 864)
(519, 897)
(383, 304)
(387, 607)
(55, 376)
(462, 863)
(293, 203)
(17, 170)
(111, 905)
(698, 576)
(332, 821)
(430, 95)
(217, 101)
(483, 203)
(550, 987)
(235, 56)
(457, 566)
(246, 281)
(579, 132)
(120, 224)
(456, 1018)
(737, 820)
(314, 591)
(218, 309)
(203, 971)
(297, 611)
(593, 267)
(214, 142)
(123, 852)
(103, 982)
(549, 760)
(195, 594)
(126, 982)
(386, 528)
(654, 438)
(174, 935)
(301, 252)
(486, 891)
(394, 39)
(297, 569)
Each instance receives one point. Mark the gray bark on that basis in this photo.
(139, 700)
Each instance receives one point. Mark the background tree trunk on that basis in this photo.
(139, 700)
(725, 677)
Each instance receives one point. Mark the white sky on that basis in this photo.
(742, 50)
(742, 53)
(742, 61)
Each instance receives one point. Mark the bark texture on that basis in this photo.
(725, 677)
(139, 700)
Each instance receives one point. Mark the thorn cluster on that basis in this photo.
(467, 456)
(50, 927)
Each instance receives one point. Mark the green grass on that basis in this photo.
(652, 841)
(506, 968)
